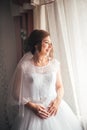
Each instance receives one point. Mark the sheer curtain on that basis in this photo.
(67, 21)
(60, 17)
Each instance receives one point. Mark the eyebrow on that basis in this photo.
(47, 41)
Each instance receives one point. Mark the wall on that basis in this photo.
(8, 58)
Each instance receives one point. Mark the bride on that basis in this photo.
(37, 89)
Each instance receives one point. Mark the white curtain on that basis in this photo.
(60, 17)
(67, 23)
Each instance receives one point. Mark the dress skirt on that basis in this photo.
(65, 119)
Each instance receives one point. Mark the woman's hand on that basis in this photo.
(53, 107)
(39, 110)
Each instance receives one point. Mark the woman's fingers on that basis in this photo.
(42, 112)
(43, 115)
(53, 112)
(53, 109)
(51, 104)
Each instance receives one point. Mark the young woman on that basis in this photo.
(38, 90)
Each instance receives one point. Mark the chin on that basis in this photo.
(46, 53)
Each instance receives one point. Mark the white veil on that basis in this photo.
(15, 104)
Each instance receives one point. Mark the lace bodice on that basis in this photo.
(39, 82)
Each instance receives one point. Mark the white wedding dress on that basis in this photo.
(38, 86)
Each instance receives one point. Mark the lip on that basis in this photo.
(47, 50)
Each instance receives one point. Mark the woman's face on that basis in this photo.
(46, 46)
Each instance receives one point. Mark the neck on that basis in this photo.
(40, 60)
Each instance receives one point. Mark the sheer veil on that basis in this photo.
(15, 103)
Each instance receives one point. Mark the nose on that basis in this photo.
(50, 45)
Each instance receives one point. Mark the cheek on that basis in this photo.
(44, 46)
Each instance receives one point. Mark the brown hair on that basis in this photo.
(34, 39)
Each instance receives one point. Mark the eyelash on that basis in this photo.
(48, 43)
